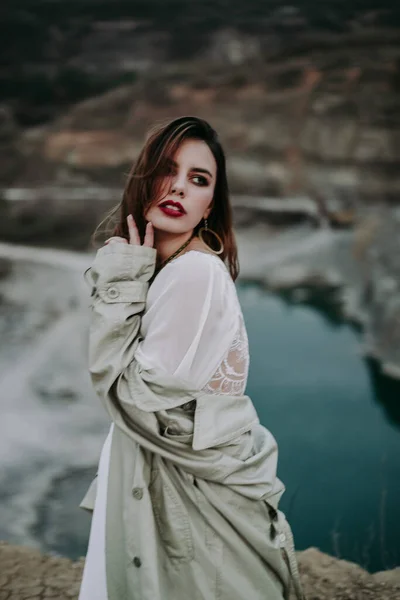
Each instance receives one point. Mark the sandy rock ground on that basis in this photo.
(325, 577)
(26, 574)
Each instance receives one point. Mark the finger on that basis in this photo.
(134, 237)
(149, 236)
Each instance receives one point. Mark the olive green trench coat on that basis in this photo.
(192, 496)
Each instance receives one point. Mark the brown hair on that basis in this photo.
(148, 174)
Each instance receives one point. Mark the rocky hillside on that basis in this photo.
(305, 97)
(28, 575)
(56, 53)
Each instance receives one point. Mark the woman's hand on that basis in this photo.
(134, 237)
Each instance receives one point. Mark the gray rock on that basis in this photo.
(29, 575)
(360, 267)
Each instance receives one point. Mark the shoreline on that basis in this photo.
(304, 259)
(27, 574)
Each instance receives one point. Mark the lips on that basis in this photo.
(176, 206)
(172, 209)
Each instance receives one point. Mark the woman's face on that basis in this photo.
(187, 193)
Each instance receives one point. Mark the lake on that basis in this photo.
(336, 422)
(335, 418)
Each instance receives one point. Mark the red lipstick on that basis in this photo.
(172, 209)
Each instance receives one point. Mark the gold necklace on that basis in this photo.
(175, 254)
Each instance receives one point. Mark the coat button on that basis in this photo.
(137, 562)
(112, 293)
(137, 493)
(282, 538)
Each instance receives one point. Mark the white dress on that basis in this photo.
(193, 328)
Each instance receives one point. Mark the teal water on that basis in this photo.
(336, 420)
(337, 424)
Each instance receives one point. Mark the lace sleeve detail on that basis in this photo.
(231, 375)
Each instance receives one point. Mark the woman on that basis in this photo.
(185, 502)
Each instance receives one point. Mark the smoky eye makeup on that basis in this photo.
(201, 180)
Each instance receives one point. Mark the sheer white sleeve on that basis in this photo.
(191, 319)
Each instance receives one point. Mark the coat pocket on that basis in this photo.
(171, 517)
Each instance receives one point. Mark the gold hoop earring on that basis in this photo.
(205, 229)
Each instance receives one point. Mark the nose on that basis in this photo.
(177, 191)
(177, 188)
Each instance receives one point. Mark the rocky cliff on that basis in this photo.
(28, 575)
(306, 99)
(304, 96)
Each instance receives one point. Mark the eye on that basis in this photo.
(200, 180)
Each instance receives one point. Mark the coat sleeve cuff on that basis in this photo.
(122, 263)
(128, 250)
(124, 291)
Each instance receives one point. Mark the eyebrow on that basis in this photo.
(197, 169)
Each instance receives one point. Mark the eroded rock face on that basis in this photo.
(72, 51)
(26, 574)
(324, 131)
(325, 577)
(29, 575)
(304, 97)
(358, 269)
(378, 248)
